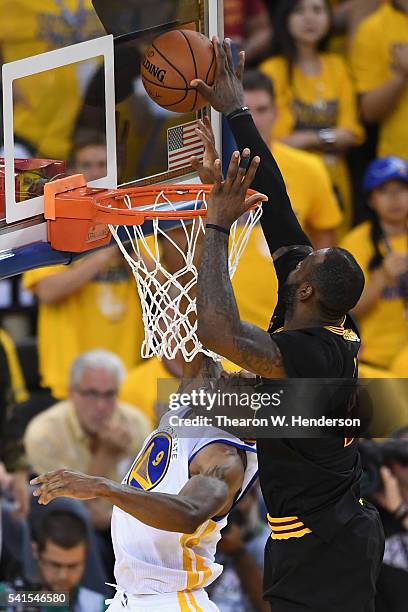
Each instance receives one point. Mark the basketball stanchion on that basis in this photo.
(80, 218)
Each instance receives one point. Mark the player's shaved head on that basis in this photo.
(329, 279)
(337, 279)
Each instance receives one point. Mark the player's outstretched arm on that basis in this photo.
(279, 223)
(219, 324)
(215, 479)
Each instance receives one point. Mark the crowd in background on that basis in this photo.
(327, 84)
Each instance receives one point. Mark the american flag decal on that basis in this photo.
(182, 143)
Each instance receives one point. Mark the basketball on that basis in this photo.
(169, 65)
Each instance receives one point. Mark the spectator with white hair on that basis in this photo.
(91, 431)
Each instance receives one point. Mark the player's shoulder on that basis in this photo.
(345, 332)
(316, 351)
(306, 352)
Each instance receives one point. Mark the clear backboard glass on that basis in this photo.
(82, 107)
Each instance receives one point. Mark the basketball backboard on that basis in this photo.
(90, 94)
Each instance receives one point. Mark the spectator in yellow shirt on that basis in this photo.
(380, 246)
(90, 304)
(316, 103)
(379, 61)
(312, 197)
(47, 104)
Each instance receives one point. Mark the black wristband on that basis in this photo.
(244, 110)
(218, 228)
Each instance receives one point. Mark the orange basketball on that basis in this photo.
(171, 62)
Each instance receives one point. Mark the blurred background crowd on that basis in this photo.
(327, 84)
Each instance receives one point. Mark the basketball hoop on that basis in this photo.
(80, 218)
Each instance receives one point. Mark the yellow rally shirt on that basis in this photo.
(371, 63)
(308, 185)
(104, 313)
(46, 105)
(323, 100)
(384, 329)
(312, 102)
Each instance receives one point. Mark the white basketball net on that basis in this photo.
(169, 312)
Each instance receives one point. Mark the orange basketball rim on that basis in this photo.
(78, 216)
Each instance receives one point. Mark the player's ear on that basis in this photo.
(305, 291)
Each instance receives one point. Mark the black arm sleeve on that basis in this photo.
(279, 223)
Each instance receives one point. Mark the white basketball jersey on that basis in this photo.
(150, 560)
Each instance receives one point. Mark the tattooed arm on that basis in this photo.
(219, 324)
(198, 373)
(216, 474)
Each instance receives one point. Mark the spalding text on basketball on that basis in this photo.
(157, 72)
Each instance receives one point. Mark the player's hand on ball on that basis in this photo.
(227, 200)
(227, 93)
(205, 169)
(64, 483)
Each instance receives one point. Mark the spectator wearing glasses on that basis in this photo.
(60, 549)
(91, 431)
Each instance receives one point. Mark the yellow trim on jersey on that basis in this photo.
(286, 527)
(285, 531)
(197, 576)
(287, 536)
(283, 519)
(348, 334)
